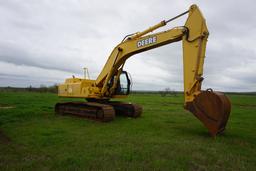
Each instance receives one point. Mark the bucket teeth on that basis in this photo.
(212, 109)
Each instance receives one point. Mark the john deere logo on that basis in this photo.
(147, 41)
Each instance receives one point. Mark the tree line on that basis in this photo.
(41, 89)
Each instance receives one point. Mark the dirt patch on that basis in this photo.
(4, 106)
(4, 138)
(171, 103)
(245, 105)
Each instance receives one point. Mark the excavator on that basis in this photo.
(212, 108)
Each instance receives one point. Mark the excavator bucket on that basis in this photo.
(212, 109)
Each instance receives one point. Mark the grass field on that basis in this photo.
(166, 137)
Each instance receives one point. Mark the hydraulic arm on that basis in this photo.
(211, 108)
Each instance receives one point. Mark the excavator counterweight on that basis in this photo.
(210, 107)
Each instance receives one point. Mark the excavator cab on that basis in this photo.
(123, 86)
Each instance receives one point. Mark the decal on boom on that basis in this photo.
(146, 41)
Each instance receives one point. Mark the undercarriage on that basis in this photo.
(100, 111)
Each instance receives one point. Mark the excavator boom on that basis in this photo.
(211, 108)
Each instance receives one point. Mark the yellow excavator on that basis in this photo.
(210, 107)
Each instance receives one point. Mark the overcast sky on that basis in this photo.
(46, 41)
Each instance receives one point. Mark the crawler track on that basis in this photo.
(90, 110)
(102, 111)
(126, 109)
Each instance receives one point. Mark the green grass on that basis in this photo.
(166, 137)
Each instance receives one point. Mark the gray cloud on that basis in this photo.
(45, 42)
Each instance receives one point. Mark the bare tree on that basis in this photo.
(168, 91)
